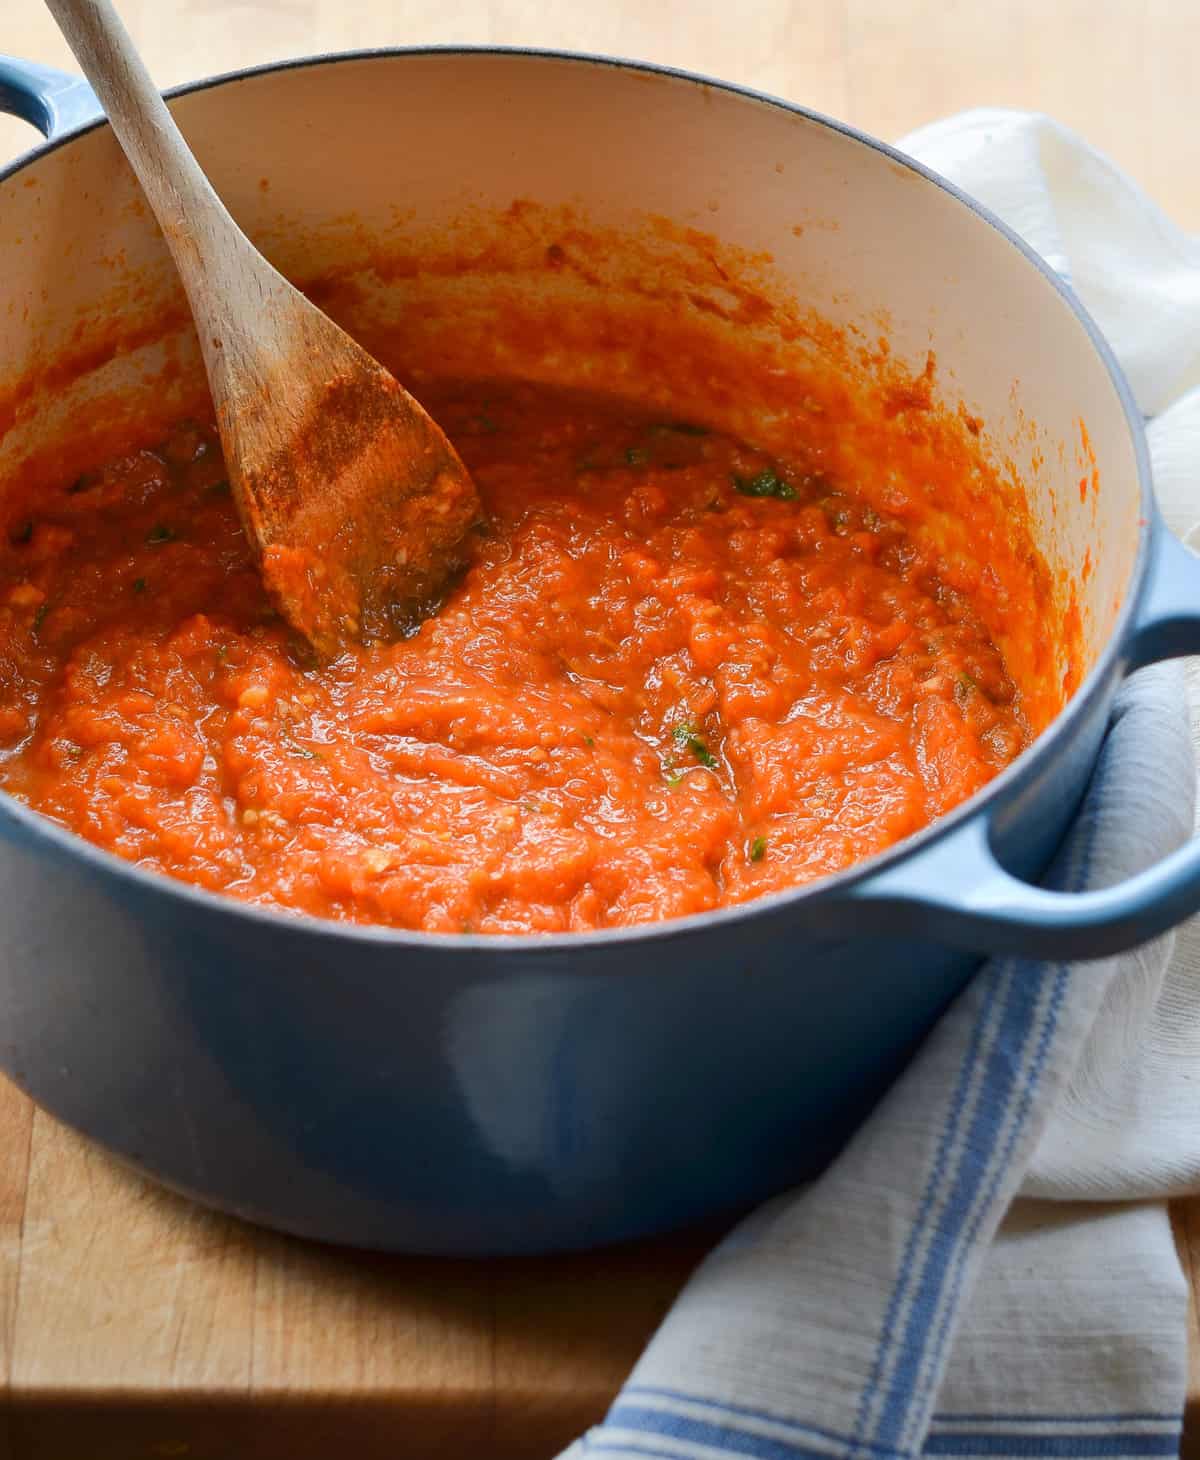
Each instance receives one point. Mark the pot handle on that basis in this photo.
(958, 888)
(53, 101)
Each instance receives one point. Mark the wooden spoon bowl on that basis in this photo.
(355, 503)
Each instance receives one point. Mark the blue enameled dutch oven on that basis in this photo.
(485, 1095)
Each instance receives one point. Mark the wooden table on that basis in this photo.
(134, 1325)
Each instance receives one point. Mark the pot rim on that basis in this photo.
(982, 804)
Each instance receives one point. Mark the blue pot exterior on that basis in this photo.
(480, 1096)
(427, 1103)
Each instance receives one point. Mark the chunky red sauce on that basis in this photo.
(676, 675)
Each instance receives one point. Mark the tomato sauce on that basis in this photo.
(677, 673)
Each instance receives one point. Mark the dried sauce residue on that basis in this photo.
(1087, 459)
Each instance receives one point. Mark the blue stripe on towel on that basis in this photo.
(1058, 992)
(934, 1186)
(603, 1446)
(742, 1411)
(944, 1423)
(727, 1437)
(730, 1438)
(1004, 1063)
(1068, 1447)
(1152, 1418)
(619, 1447)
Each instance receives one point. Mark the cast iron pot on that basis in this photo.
(485, 1095)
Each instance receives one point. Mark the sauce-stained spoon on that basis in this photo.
(353, 500)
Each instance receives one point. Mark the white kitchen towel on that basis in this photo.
(987, 1270)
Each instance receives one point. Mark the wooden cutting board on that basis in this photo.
(136, 1326)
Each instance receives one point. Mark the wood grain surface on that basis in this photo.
(1122, 73)
(1186, 1215)
(133, 1324)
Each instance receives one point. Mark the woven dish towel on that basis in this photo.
(988, 1270)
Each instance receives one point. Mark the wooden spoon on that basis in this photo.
(353, 500)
